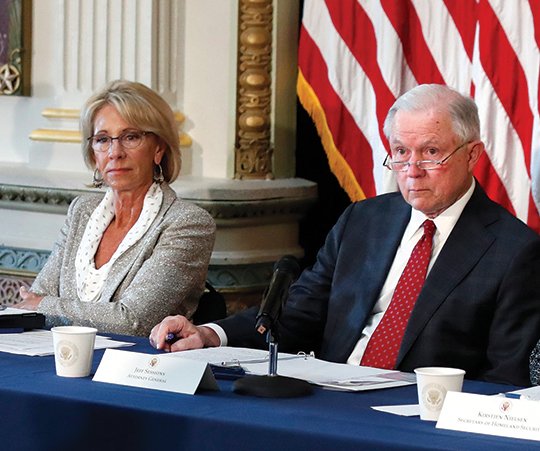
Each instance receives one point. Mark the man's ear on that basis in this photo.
(474, 154)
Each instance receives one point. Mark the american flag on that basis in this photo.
(357, 56)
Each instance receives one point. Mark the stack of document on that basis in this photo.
(336, 376)
(531, 393)
(40, 342)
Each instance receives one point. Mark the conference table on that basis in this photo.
(41, 411)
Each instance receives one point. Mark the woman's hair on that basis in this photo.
(142, 108)
(462, 109)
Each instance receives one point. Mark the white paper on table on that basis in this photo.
(531, 393)
(336, 376)
(40, 343)
(14, 311)
(406, 410)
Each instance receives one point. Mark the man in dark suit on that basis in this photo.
(479, 307)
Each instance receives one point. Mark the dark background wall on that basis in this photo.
(312, 164)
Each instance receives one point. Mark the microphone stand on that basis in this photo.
(273, 353)
(272, 385)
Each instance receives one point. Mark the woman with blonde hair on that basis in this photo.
(130, 257)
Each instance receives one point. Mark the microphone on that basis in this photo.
(286, 271)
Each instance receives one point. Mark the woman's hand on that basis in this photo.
(30, 301)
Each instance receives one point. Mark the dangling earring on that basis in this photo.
(158, 174)
(97, 181)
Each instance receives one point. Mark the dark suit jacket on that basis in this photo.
(479, 309)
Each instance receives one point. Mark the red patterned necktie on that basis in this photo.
(383, 346)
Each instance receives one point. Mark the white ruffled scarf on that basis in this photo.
(90, 280)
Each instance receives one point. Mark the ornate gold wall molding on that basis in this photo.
(29, 198)
(253, 152)
(74, 136)
(72, 113)
(253, 134)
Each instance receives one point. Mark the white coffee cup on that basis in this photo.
(433, 383)
(73, 350)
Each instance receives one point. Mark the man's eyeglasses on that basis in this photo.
(128, 140)
(427, 165)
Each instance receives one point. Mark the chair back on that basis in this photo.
(211, 306)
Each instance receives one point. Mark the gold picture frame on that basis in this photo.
(15, 47)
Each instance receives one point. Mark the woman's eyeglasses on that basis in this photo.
(128, 140)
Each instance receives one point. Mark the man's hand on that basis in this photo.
(187, 335)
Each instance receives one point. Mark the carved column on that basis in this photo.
(103, 41)
(111, 39)
(253, 151)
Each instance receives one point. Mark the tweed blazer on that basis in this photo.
(161, 274)
(478, 310)
(535, 364)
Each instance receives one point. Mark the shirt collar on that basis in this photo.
(446, 221)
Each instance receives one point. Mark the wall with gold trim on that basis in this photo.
(228, 67)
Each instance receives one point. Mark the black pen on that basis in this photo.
(171, 338)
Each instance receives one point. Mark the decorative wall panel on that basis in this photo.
(15, 47)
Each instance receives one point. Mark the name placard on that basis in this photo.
(151, 371)
(492, 415)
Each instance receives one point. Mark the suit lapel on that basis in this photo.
(385, 242)
(466, 244)
(72, 246)
(354, 306)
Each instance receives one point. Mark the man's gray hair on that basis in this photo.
(462, 109)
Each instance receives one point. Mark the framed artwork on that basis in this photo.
(15, 47)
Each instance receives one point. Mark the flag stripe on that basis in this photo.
(338, 164)
(509, 84)
(363, 45)
(450, 53)
(359, 105)
(463, 14)
(501, 143)
(389, 50)
(370, 76)
(508, 129)
(492, 183)
(407, 24)
(337, 119)
(357, 56)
